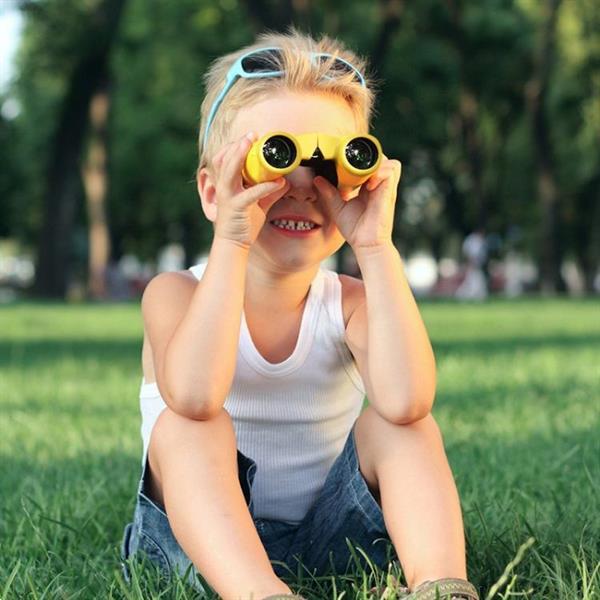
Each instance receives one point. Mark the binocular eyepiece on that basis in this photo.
(276, 154)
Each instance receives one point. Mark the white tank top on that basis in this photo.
(292, 418)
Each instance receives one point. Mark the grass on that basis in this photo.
(517, 401)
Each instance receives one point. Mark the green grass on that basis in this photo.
(517, 401)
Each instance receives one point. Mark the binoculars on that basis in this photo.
(345, 162)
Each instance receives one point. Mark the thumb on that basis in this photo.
(267, 201)
(333, 201)
(268, 189)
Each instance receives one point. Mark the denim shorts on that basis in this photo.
(345, 508)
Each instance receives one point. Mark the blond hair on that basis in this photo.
(300, 74)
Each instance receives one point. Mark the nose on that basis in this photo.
(301, 185)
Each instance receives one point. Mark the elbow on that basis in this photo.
(198, 408)
(198, 411)
(408, 411)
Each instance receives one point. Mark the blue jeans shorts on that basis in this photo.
(345, 508)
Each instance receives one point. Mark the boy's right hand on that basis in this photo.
(241, 211)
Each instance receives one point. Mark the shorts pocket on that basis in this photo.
(149, 546)
(125, 552)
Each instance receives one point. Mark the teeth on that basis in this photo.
(293, 225)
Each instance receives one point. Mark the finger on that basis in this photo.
(231, 168)
(218, 157)
(270, 199)
(348, 194)
(398, 169)
(380, 175)
(263, 190)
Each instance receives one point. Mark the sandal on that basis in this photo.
(284, 597)
(444, 589)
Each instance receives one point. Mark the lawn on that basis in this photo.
(518, 403)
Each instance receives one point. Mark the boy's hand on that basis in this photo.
(368, 218)
(241, 211)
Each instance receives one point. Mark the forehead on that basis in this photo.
(296, 112)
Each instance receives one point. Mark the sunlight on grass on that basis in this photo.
(517, 402)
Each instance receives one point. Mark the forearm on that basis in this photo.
(201, 356)
(401, 362)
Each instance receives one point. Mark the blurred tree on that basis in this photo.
(452, 106)
(95, 180)
(549, 195)
(61, 193)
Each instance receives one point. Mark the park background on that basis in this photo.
(493, 108)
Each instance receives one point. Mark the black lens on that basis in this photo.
(279, 151)
(336, 66)
(262, 61)
(361, 153)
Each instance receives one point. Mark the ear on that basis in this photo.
(207, 193)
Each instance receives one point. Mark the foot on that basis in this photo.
(444, 589)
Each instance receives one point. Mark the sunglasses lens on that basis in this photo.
(337, 67)
(361, 153)
(261, 61)
(279, 151)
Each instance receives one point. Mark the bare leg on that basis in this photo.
(193, 467)
(407, 470)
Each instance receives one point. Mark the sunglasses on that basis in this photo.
(258, 64)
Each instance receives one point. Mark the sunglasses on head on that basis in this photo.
(263, 63)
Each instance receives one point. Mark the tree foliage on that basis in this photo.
(453, 107)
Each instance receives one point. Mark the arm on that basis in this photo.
(385, 333)
(194, 331)
(389, 341)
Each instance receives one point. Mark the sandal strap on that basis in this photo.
(284, 597)
(445, 589)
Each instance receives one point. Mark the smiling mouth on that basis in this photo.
(290, 225)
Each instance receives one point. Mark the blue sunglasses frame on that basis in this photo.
(237, 70)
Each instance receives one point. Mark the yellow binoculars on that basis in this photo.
(346, 161)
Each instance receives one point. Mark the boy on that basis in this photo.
(256, 362)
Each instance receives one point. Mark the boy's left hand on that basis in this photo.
(365, 219)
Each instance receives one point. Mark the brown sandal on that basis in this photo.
(284, 597)
(444, 589)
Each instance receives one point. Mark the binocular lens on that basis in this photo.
(361, 153)
(279, 151)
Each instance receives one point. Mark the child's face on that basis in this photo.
(297, 113)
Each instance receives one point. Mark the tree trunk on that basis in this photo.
(548, 192)
(95, 183)
(468, 111)
(587, 241)
(62, 189)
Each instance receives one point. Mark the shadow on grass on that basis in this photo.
(61, 513)
(33, 354)
(485, 347)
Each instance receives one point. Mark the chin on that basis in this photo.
(294, 261)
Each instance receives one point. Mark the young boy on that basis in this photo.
(257, 361)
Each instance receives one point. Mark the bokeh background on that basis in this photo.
(493, 107)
